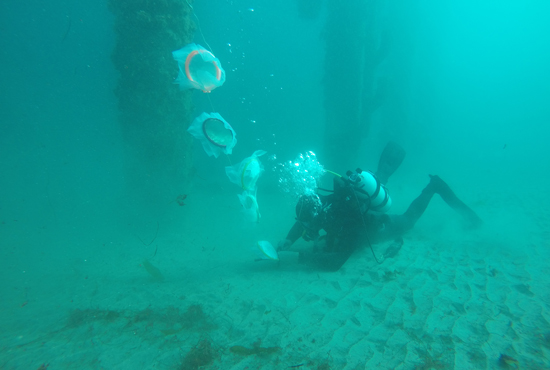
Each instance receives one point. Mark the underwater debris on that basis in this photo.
(152, 240)
(180, 199)
(266, 251)
(198, 68)
(246, 173)
(215, 134)
(153, 271)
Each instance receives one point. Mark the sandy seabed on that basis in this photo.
(447, 300)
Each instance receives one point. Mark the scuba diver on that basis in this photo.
(352, 215)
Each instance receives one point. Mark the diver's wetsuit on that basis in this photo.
(347, 227)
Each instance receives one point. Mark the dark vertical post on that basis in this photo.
(154, 113)
(354, 49)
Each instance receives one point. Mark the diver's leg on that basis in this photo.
(407, 220)
(396, 225)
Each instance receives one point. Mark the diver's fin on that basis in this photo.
(440, 187)
(390, 160)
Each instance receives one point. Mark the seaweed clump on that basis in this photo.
(170, 319)
(200, 355)
(256, 349)
(79, 317)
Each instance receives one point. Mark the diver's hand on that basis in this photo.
(283, 245)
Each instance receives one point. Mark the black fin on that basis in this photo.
(391, 158)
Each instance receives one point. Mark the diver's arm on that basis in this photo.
(294, 234)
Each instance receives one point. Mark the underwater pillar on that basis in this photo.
(153, 113)
(353, 50)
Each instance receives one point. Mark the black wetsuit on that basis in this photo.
(348, 226)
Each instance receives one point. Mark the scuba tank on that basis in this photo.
(367, 185)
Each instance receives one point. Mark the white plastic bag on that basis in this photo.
(215, 134)
(198, 69)
(246, 173)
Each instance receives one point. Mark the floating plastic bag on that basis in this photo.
(199, 69)
(246, 173)
(214, 133)
(266, 251)
(250, 205)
